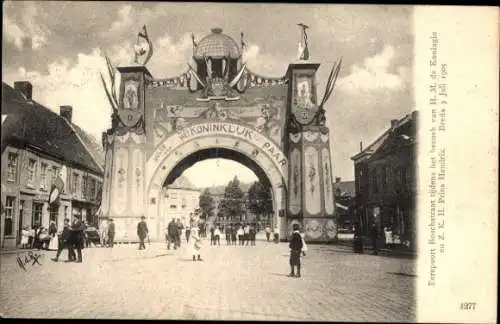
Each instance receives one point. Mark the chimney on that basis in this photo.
(338, 179)
(25, 88)
(66, 112)
(361, 146)
(394, 123)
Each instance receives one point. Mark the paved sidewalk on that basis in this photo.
(232, 283)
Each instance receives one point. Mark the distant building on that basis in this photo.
(38, 146)
(344, 199)
(180, 199)
(385, 179)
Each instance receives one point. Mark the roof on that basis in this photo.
(182, 182)
(217, 45)
(33, 124)
(219, 190)
(346, 187)
(373, 147)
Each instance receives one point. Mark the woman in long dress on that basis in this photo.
(25, 235)
(54, 238)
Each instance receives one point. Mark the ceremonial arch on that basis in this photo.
(217, 108)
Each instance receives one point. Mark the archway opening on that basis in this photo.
(188, 193)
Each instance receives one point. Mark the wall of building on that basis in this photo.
(27, 185)
(178, 203)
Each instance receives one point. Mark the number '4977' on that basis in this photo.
(468, 306)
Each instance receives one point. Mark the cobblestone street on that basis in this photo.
(231, 283)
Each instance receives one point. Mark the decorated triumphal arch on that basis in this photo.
(273, 125)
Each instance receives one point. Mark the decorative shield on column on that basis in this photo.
(129, 113)
(303, 106)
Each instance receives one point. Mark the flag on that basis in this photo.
(111, 71)
(58, 186)
(143, 33)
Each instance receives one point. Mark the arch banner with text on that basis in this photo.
(273, 125)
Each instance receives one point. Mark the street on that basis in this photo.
(231, 283)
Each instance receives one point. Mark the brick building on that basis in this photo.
(385, 180)
(38, 146)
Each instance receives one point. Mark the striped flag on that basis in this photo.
(58, 186)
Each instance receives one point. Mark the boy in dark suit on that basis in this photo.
(295, 250)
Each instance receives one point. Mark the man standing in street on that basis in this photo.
(172, 232)
(76, 239)
(374, 236)
(111, 233)
(180, 227)
(268, 233)
(142, 232)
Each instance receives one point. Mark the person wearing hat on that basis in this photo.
(76, 240)
(295, 246)
(142, 232)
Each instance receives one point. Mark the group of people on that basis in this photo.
(241, 234)
(174, 231)
(72, 237)
(107, 233)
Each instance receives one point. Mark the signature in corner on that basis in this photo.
(33, 258)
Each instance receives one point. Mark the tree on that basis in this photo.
(259, 200)
(232, 203)
(207, 204)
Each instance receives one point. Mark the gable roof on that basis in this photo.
(33, 124)
(182, 182)
(375, 145)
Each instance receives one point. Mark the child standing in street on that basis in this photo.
(196, 244)
(295, 250)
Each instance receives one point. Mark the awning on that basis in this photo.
(341, 206)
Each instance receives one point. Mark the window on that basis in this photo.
(403, 176)
(43, 176)
(55, 173)
(12, 167)
(173, 206)
(31, 172)
(75, 183)
(54, 213)
(375, 180)
(183, 202)
(9, 215)
(65, 212)
(92, 189)
(36, 216)
(84, 192)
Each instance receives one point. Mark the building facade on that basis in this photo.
(344, 201)
(38, 146)
(179, 200)
(385, 181)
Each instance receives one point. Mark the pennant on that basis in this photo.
(195, 75)
(111, 71)
(238, 76)
(144, 34)
(111, 100)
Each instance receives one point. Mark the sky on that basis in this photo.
(59, 47)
